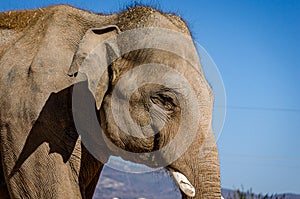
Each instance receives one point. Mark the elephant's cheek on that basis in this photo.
(118, 137)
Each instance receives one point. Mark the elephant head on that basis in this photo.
(155, 104)
(134, 88)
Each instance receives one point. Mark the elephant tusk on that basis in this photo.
(183, 183)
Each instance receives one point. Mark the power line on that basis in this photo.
(253, 108)
(262, 161)
(259, 164)
(265, 157)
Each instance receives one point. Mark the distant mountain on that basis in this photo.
(115, 184)
(231, 194)
(123, 185)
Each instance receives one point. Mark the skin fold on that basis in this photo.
(41, 54)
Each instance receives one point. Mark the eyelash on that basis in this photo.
(165, 101)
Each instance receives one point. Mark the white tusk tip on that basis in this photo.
(183, 183)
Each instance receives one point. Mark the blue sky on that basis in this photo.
(255, 45)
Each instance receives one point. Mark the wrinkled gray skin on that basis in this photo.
(41, 153)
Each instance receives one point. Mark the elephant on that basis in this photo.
(63, 114)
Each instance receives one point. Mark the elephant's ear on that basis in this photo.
(97, 49)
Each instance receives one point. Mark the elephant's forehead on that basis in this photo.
(139, 17)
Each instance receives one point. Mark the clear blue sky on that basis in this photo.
(256, 46)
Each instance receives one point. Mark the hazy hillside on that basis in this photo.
(132, 186)
(232, 194)
(154, 185)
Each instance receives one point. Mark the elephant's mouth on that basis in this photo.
(183, 183)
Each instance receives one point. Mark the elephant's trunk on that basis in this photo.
(200, 166)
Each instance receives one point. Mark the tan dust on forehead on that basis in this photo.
(19, 20)
(139, 17)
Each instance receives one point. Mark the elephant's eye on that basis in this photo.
(164, 100)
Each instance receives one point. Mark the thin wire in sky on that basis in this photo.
(265, 157)
(252, 108)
